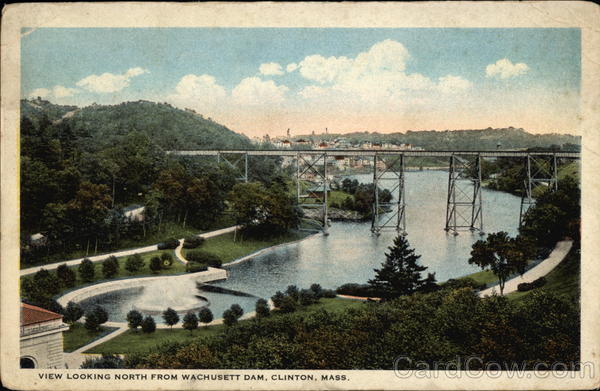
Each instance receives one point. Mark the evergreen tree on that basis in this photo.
(66, 275)
(73, 313)
(86, 270)
(134, 319)
(205, 315)
(400, 274)
(170, 316)
(190, 321)
(134, 263)
(110, 267)
(155, 265)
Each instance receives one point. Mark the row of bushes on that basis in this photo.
(199, 260)
(293, 297)
(189, 243)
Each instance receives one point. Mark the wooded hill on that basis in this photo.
(99, 126)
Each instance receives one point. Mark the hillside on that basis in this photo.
(99, 126)
(488, 139)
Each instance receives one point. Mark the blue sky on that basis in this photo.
(346, 79)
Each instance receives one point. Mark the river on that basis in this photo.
(349, 253)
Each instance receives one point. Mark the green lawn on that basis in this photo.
(177, 267)
(483, 277)
(78, 336)
(168, 230)
(225, 248)
(137, 341)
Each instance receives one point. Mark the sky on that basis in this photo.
(261, 81)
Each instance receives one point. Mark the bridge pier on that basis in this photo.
(539, 171)
(464, 209)
(396, 218)
(313, 172)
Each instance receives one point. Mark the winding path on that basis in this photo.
(122, 253)
(559, 253)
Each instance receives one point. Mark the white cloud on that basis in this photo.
(324, 70)
(109, 82)
(197, 91)
(291, 67)
(453, 84)
(270, 68)
(505, 69)
(63, 92)
(41, 92)
(254, 91)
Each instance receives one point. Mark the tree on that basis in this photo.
(155, 265)
(170, 316)
(110, 267)
(317, 290)
(148, 325)
(429, 284)
(134, 319)
(190, 321)
(262, 309)
(503, 255)
(100, 314)
(40, 289)
(66, 275)
(205, 315)
(400, 274)
(229, 318)
(167, 260)
(237, 310)
(134, 263)
(91, 322)
(86, 270)
(72, 313)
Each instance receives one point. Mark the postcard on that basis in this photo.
(289, 196)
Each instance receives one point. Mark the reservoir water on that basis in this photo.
(348, 254)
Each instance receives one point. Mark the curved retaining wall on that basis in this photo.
(212, 274)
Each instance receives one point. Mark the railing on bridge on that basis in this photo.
(464, 205)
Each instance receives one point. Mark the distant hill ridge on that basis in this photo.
(475, 139)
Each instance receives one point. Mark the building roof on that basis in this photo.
(31, 314)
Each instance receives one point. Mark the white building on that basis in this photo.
(41, 338)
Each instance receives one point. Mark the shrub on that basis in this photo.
(134, 319)
(362, 290)
(293, 292)
(237, 310)
(316, 289)
(66, 275)
(148, 325)
(199, 256)
(307, 297)
(105, 362)
(170, 316)
(134, 263)
(86, 270)
(155, 265)
(167, 260)
(192, 267)
(288, 304)
(110, 267)
(91, 322)
(527, 286)
(190, 321)
(205, 315)
(100, 314)
(277, 299)
(328, 293)
(262, 309)
(193, 241)
(72, 313)
(169, 244)
(229, 318)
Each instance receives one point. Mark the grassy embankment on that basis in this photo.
(563, 280)
(168, 230)
(78, 336)
(229, 250)
(137, 341)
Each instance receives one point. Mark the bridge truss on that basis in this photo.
(464, 204)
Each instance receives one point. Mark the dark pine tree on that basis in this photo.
(400, 274)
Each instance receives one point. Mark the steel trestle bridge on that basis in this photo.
(464, 202)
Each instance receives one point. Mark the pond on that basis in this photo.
(348, 254)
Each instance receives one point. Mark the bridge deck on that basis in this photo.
(370, 153)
